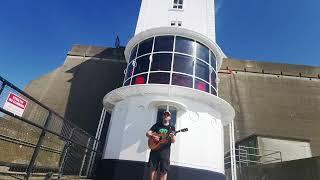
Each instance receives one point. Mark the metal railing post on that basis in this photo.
(96, 141)
(239, 155)
(233, 151)
(62, 158)
(64, 153)
(84, 157)
(245, 157)
(39, 144)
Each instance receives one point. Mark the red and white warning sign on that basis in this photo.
(15, 104)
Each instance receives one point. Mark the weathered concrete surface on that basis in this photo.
(273, 68)
(303, 169)
(273, 105)
(75, 90)
(12, 152)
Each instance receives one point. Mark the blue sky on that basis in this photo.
(36, 35)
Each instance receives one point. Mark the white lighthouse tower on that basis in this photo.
(173, 61)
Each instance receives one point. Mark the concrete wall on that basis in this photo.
(272, 104)
(290, 149)
(75, 90)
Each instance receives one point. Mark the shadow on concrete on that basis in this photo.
(96, 75)
(92, 80)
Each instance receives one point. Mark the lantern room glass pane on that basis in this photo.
(186, 56)
(145, 47)
(213, 79)
(140, 79)
(129, 71)
(213, 91)
(213, 60)
(202, 70)
(163, 43)
(201, 85)
(184, 45)
(127, 82)
(133, 54)
(159, 78)
(161, 62)
(202, 52)
(142, 64)
(183, 64)
(182, 80)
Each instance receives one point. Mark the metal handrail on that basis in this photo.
(28, 144)
(252, 155)
(7, 83)
(45, 129)
(243, 156)
(52, 116)
(248, 147)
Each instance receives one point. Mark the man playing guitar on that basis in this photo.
(160, 159)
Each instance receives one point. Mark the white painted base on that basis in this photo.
(201, 147)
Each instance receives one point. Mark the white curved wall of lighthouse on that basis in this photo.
(196, 15)
(201, 147)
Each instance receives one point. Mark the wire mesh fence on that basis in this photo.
(39, 142)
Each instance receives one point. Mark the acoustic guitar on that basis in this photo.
(163, 139)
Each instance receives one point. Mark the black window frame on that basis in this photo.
(177, 4)
(182, 80)
(143, 60)
(145, 47)
(180, 66)
(180, 63)
(204, 72)
(202, 52)
(159, 41)
(159, 60)
(184, 45)
(161, 79)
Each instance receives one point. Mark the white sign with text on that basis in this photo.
(15, 104)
